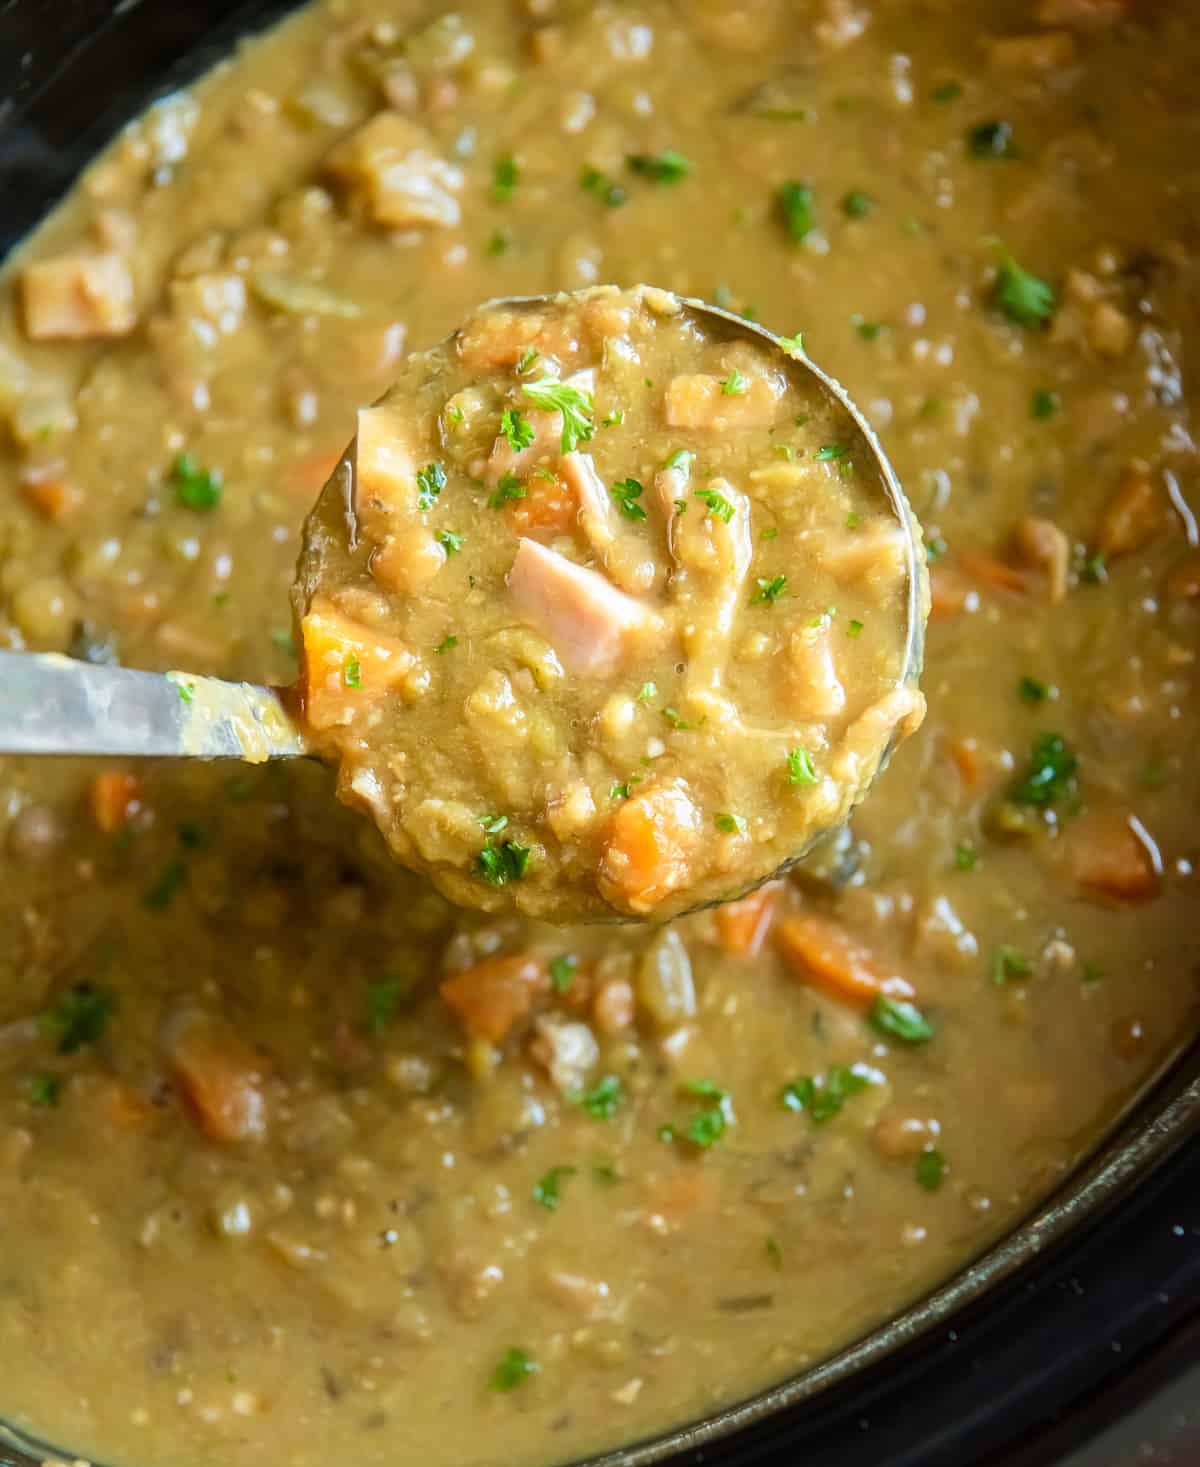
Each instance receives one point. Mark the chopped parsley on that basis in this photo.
(381, 1002)
(662, 168)
(160, 896)
(770, 533)
(1051, 775)
(352, 672)
(899, 1019)
(1029, 690)
(79, 1017)
(1095, 569)
(505, 177)
(500, 864)
(526, 360)
(935, 547)
(45, 1090)
(854, 627)
(796, 205)
(1009, 962)
(735, 385)
(856, 204)
(831, 451)
(497, 243)
(450, 541)
(517, 430)
(966, 857)
(603, 1100)
(282, 641)
(822, 1096)
(868, 330)
(948, 92)
(493, 824)
(446, 644)
(186, 690)
(508, 487)
(794, 346)
(1091, 973)
(717, 504)
(621, 791)
(608, 192)
(675, 718)
(646, 692)
(614, 419)
(800, 767)
(195, 488)
(774, 1253)
(627, 492)
(992, 140)
(709, 1123)
(1043, 404)
(853, 520)
(930, 1169)
(682, 459)
(769, 589)
(562, 971)
(1022, 297)
(547, 1190)
(515, 1367)
(576, 407)
(729, 823)
(431, 480)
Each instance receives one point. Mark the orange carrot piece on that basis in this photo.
(1133, 515)
(651, 841)
(997, 574)
(742, 926)
(966, 758)
(346, 666)
(682, 1194)
(113, 798)
(219, 1077)
(948, 593)
(824, 956)
(53, 498)
(1183, 579)
(488, 999)
(1107, 859)
(550, 508)
(305, 478)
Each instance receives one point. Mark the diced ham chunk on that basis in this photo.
(581, 613)
(816, 689)
(698, 400)
(78, 297)
(385, 466)
(391, 165)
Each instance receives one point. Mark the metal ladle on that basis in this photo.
(50, 704)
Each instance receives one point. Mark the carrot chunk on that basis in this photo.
(219, 1077)
(742, 926)
(996, 574)
(112, 798)
(1107, 859)
(652, 841)
(550, 507)
(824, 956)
(1132, 517)
(347, 666)
(488, 999)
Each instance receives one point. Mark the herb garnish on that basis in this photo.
(769, 590)
(576, 407)
(431, 480)
(729, 823)
(735, 385)
(992, 140)
(796, 205)
(505, 177)
(675, 718)
(547, 1189)
(79, 1017)
(195, 488)
(899, 1019)
(562, 971)
(929, 1169)
(1009, 962)
(1022, 297)
(831, 451)
(1051, 773)
(662, 168)
(381, 1001)
(717, 504)
(517, 430)
(1043, 404)
(823, 1096)
(1032, 691)
(45, 1090)
(595, 182)
(450, 541)
(508, 487)
(160, 896)
(603, 1100)
(627, 492)
(856, 204)
(800, 767)
(500, 864)
(966, 857)
(515, 1367)
(352, 672)
(446, 644)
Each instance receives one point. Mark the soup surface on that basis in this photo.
(297, 1162)
(589, 699)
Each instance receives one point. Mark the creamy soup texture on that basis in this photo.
(299, 1162)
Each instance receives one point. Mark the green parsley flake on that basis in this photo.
(709, 1124)
(508, 487)
(505, 177)
(515, 1367)
(948, 92)
(935, 547)
(771, 533)
(547, 1190)
(854, 628)
(682, 459)
(856, 204)
(646, 692)
(794, 346)
(195, 488)
(603, 1100)
(822, 1096)
(730, 824)
(45, 1090)
(517, 430)
(774, 1253)
(171, 878)
(1051, 775)
(621, 791)
(769, 590)
(831, 451)
(966, 857)
(500, 864)
(853, 520)
(526, 360)
(282, 642)
(992, 140)
(1091, 973)
(493, 824)
(450, 541)
(930, 1169)
(186, 690)
(1032, 691)
(899, 1019)
(352, 672)
(498, 243)
(431, 480)
(868, 330)
(717, 504)
(79, 1017)
(1043, 404)
(608, 192)
(735, 385)
(577, 409)
(1095, 569)
(562, 971)
(662, 168)
(796, 205)
(800, 767)
(627, 492)
(1009, 962)
(446, 644)
(381, 1002)
(1022, 297)
(614, 419)
(675, 718)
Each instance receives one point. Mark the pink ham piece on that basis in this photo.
(579, 612)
